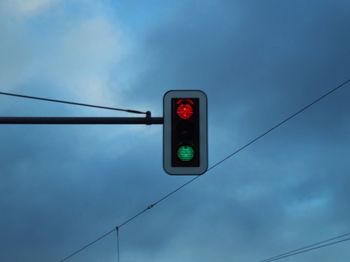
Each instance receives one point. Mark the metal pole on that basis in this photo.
(83, 120)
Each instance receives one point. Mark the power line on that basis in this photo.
(87, 245)
(283, 122)
(73, 103)
(106, 234)
(223, 160)
(305, 247)
(309, 248)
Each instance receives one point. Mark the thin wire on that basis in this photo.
(305, 247)
(87, 245)
(308, 249)
(282, 122)
(135, 216)
(72, 103)
(118, 251)
(231, 155)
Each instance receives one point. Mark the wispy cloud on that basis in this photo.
(28, 8)
(75, 52)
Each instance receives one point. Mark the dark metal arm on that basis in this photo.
(83, 120)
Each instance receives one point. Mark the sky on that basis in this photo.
(258, 62)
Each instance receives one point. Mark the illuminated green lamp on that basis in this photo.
(185, 153)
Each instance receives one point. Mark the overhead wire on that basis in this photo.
(305, 247)
(73, 103)
(308, 248)
(87, 245)
(221, 161)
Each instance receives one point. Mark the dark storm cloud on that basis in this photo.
(258, 62)
(275, 50)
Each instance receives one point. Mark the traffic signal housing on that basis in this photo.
(185, 132)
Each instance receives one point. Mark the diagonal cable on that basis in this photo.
(73, 103)
(306, 247)
(304, 250)
(87, 245)
(230, 155)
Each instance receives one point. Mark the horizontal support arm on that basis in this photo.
(83, 120)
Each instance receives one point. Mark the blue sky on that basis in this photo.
(258, 62)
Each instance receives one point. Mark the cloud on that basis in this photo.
(75, 54)
(83, 58)
(257, 61)
(29, 8)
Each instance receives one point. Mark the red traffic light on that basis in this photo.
(185, 135)
(184, 109)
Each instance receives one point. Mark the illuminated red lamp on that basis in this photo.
(184, 110)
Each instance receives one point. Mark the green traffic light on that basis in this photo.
(185, 153)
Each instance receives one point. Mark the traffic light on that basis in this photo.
(185, 135)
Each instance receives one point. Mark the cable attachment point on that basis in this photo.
(150, 206)
(148, 118)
